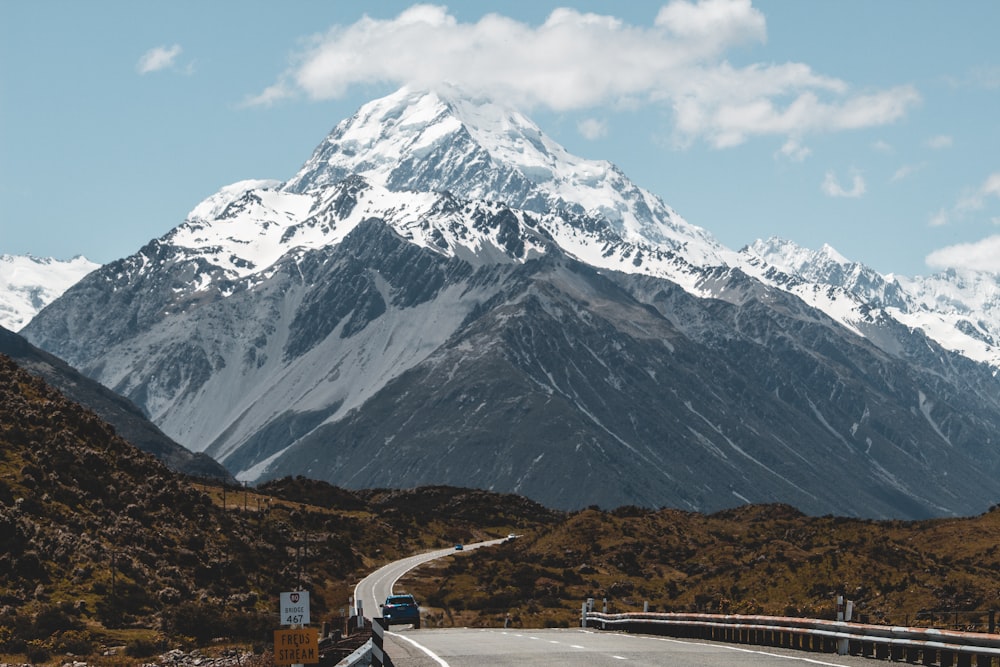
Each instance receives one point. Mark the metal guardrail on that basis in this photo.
(361, 657)
(926, 646)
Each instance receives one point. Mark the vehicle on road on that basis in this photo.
(400, 610)
(458, 547)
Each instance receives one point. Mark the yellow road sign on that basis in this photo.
(299, 646)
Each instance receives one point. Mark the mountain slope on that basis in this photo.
(128, 420)
(443, 295)
(616, 403)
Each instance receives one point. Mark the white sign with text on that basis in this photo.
(295, 608)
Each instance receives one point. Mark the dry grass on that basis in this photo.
(752, 560)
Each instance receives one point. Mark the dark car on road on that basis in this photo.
(400, 610)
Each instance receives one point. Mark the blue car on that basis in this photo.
(401, 610)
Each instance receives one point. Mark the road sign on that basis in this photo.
(295, 608)
(300, 646)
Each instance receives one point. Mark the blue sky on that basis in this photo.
(871, 126)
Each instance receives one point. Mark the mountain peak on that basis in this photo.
(416, 123)
(481, 149)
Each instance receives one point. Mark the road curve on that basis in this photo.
(373, 589)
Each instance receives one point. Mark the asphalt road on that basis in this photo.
(377, 586)
(496, 647)
(468, 647)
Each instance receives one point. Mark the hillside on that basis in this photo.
(756, 559)
(101, 544)
(127, 419)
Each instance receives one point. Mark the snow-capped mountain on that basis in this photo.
(442, 294)
(958, 310)
(477, 149)
(28, 284)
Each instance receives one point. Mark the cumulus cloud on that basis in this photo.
(832, 187)
(592, 128)
(159, 58)
(981, 255)
(576, 61)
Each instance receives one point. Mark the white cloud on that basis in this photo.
(981, 255)
(578, 60)
(940, 141)
(992, 185)
(159, 58)
(906, 171)
(832, 187)
(592, 128)
(794, 151)
(939, 219)
(984, 78)
(882, 146)
(972, 201)
(976, 200)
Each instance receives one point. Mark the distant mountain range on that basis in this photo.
(443, 295)
(28, 284)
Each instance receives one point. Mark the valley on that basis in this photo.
(105, 547)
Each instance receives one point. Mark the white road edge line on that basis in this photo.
(747, 650)
(436, 658)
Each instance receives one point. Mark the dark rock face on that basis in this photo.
(571, 390)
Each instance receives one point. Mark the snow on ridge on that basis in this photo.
(28, 284)
(213, 205)
(409, 124)
(482, 145)
(960, 310)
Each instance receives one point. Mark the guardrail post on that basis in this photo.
(379, 657)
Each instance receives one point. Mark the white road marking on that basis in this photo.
(435, 657)
(748, 650)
